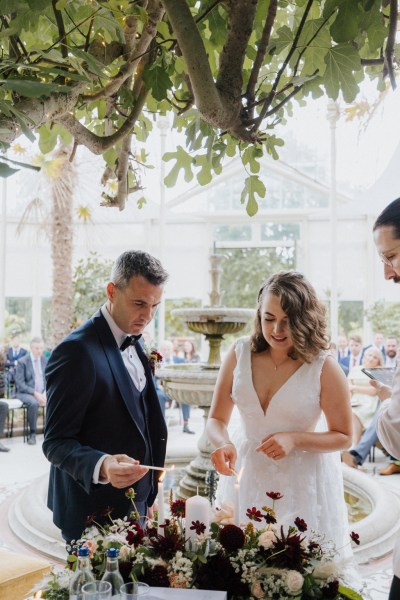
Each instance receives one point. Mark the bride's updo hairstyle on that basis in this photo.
(306, 315)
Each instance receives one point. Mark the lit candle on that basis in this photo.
(236, 498)
(160, 502)
(197, 508)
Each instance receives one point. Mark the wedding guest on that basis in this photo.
(3, 405)
(104, 423)
(364, 400)
(282, 379)
(30, 383)
(333, 350)
(391, 348)
(378, 342)
(353, 359)
(386, 233)
(14, 353)
(189, 352)
(343, 347)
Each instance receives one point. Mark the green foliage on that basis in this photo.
(385, 316)
(350, 316)
(70, 59)
(89, 284)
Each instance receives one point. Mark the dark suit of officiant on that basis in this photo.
(94, 408)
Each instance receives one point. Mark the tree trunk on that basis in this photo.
(61, 246)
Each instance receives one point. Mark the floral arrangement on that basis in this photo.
(249, 562)
(155, 359)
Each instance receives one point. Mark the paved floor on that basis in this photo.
(25, 463)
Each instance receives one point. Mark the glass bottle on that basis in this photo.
(82, 575)
(112, 573)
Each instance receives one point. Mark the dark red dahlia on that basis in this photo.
(156, 576)
(218, 574)
(254, 515)
(168, 544)
(135, 535)
(274, 495)
(288, 549)
(231, 537)
(300, 524)
(330, 590)
(355, 538)
(178, 508)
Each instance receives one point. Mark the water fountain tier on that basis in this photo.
(194, 383)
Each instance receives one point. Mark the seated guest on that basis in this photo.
(353, 359)
(3, 405)
(30, 383)
(343, 347)
(14, 353)
(391, 348)
(364, 400)
(333, 351)
(379, 342)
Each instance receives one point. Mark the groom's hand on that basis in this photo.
(121, 470)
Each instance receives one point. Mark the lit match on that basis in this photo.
(150, 467)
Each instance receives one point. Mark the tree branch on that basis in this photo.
(389, 52)
(293, 47)
(122, 171)
(61, 30)
(155, 14)
(262, 48)
(241, 15)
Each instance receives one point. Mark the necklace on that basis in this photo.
(275, 365)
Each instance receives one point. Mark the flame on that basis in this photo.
(239, 475)
(37, 595)
(172, 467)
(161, 478)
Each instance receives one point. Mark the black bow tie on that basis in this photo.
(130, 340)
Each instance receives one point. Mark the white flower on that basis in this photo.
(266, 539)
(224, 515)
(326, 570)
(294, 582)
(124, 553)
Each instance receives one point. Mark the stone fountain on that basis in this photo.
(194, 383)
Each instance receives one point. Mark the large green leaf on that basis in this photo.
(341, 61)
(33, 89)
(157, 81)
(6, 170)
(252, 186)
(183, 161)
(346, 25)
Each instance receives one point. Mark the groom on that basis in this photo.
(387, 240)
(103, 417)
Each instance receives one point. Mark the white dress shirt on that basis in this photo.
(134, 367)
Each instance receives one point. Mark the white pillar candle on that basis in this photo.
(236, 498)
(197, 508)
(160, 502)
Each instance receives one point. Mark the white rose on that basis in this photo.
(125, 553)
(224, 514)
(325, 570)
(294, 582)
(266, 539)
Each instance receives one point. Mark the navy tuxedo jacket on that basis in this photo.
(25, 375)
(88, 393)
(10, 359)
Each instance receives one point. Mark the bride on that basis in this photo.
(282, 380)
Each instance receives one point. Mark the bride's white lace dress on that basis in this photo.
(311, 482)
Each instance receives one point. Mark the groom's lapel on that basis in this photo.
(114, 357)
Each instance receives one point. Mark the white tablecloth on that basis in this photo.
(156, 593)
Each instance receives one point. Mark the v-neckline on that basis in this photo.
(277, 391)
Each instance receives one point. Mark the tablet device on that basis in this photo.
(382, 374)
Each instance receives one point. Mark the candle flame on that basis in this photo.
(172, 467)
(38, 595)
(239, 475)
(161, 478)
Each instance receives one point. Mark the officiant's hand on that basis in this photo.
(383, 391)
(121, 470)
(224, 459)
(277, 445)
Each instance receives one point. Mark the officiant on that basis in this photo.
(104, 420)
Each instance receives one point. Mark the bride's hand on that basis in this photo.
(224, 459)
(277, 445)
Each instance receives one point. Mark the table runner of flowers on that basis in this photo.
(265, 562)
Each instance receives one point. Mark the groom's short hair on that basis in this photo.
(137, 263)
(390, 217)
